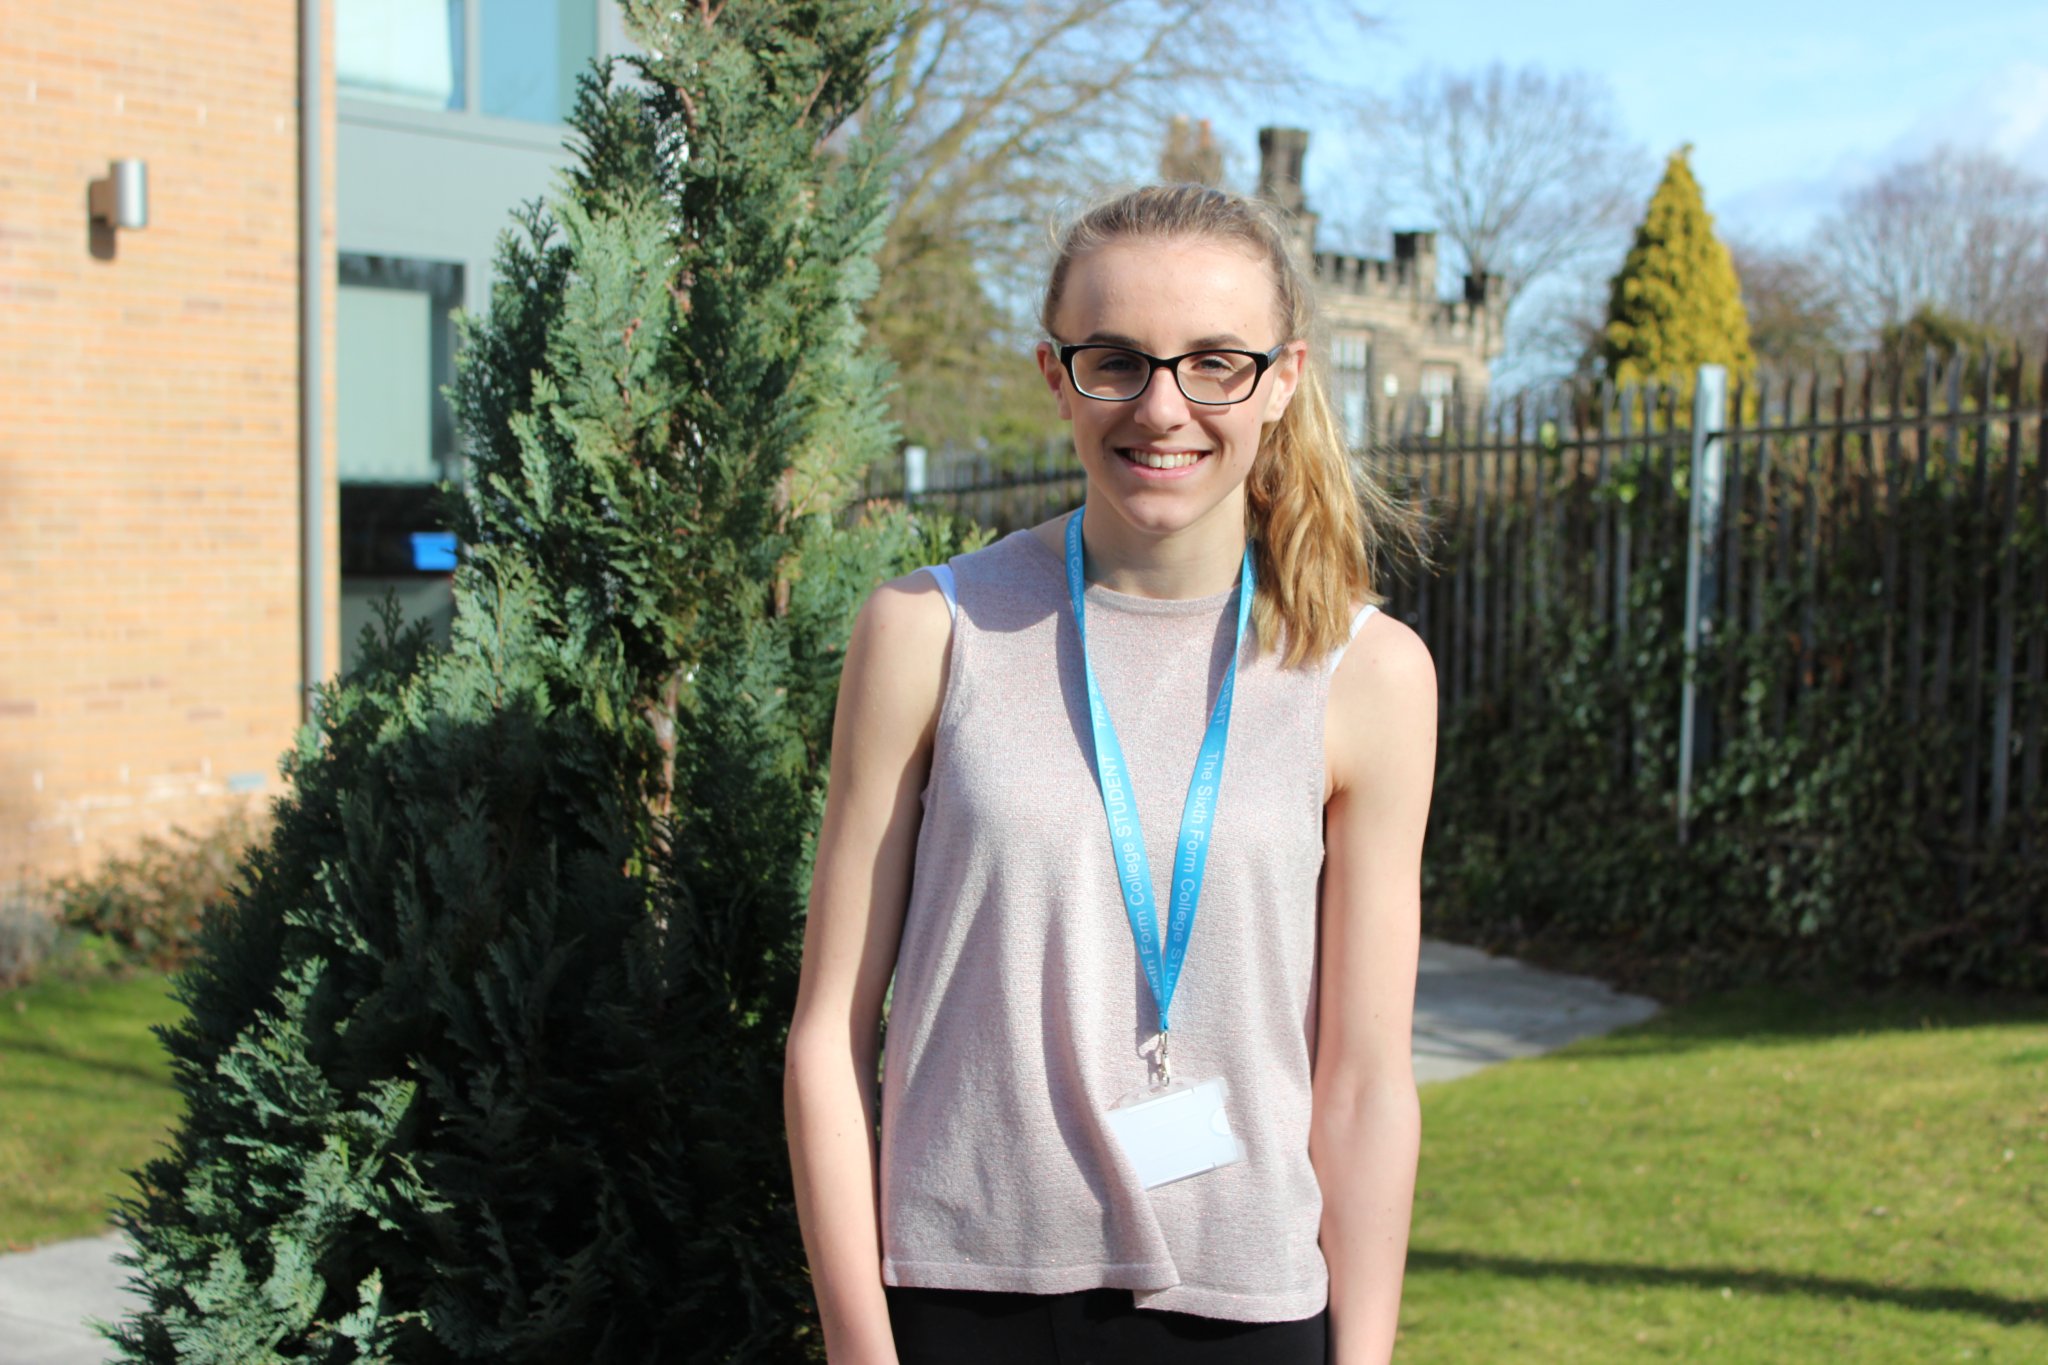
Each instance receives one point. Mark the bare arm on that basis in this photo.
(1366, 1125)
(881, 751)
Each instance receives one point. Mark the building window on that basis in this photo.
(510, 59)
(401, 51)
(1438, 386)
(394, 350)
(1351, 376)
(533, 51)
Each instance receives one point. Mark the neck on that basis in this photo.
(1201, 560)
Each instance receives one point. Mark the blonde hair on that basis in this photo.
(1317, 524)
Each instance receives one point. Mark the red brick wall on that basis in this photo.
(149, 485)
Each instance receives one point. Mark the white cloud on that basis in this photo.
(2007, 113)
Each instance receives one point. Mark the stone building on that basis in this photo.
(1401, 356)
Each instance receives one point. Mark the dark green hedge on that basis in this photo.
(1827, 835)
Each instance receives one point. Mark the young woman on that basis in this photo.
(1130, 806)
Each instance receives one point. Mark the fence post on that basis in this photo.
(1702, 573)
(913, 472)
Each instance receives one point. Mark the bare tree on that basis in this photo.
(1526, 174)
(1965, 233)
(1558, 330)
(1797, 318)
(1011, 107)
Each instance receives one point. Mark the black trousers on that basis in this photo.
(1091, 1327)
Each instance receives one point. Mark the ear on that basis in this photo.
(1055, 379)
(1285, 378)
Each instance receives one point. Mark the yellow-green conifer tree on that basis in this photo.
(1677, 303)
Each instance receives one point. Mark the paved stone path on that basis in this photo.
(47, 1294)
(1471, 1011)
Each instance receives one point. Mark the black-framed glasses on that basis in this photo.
(1214, 378)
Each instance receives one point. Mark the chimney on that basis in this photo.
(1416, 253)
(1208, 156)
(1280, 155)
(1191, 156)
(1281, 151)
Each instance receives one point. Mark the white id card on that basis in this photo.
(1176, 1132)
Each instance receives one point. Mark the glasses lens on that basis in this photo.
(1207, 377)
(1216, 376)
(1110, 372)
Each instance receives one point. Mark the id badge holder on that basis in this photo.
(1176, 1131)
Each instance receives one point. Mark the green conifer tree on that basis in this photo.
(484, 1065)
(1676, 304)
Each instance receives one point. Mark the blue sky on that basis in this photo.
(1786, 103)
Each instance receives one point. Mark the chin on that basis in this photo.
(1159, 506)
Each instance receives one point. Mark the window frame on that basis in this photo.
(1436, 399)
(1351, 356)
(442, 282)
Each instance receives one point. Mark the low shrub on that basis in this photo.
(151, 903)
(28, 931)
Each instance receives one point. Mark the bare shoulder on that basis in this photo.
(911, 605)
(903, 628)
(896, 661)
(1052, 533)
(1387, 660)
(1382, 707)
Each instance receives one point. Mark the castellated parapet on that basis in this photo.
(1393, 340)
(1460, 321)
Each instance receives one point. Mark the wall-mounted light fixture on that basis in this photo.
(122, 199)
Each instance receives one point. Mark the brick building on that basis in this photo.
(150, 631)
(193, 519)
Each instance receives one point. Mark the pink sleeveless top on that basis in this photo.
(1019, 1007)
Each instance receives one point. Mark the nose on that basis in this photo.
(1161, 406)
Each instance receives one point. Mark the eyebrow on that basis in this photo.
(1224, 340)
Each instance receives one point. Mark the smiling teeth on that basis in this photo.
(1153, 459)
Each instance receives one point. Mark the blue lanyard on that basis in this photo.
(1162, 960)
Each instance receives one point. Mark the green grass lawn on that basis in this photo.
(85, 1096)
(1766, 1176)
(1769, 1176)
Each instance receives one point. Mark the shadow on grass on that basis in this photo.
(84, 1061)
(1608, 1274)
(1767, 1016)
